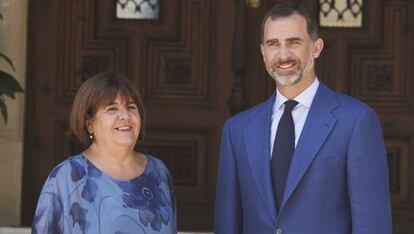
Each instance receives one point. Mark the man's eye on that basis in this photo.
(112, 108)
(295, 43)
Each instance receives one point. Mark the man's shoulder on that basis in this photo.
(341, 100)
(246, 115)
(348, 102)
(351, 107)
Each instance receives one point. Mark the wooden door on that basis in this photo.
(180, 63)
(182, 66)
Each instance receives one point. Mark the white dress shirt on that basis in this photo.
(299, 112)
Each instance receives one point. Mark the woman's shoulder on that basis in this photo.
(156, 167)
(73, 165)
(63, 175)
(155, 163)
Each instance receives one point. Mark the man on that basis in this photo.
(308, 160)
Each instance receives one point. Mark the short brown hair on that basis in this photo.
(288, 9)
(99, 91)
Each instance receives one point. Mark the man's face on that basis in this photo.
(288, 51)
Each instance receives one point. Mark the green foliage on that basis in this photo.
(8, 86)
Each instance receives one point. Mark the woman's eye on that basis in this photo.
(112, 108)
(132, 107)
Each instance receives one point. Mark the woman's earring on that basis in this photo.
(91, 136)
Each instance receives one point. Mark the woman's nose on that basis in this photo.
(124, 114)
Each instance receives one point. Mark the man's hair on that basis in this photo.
(96, 92)
(288, 9)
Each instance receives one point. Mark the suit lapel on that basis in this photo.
(257, 144)
(318, 125)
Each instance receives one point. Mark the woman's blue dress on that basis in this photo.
(79, 198)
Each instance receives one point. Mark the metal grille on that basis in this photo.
(137, 9)
(340, 13)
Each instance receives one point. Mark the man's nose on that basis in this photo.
(283, 53)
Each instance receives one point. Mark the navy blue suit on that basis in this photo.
(337, 182)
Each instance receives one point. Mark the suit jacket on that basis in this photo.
(337, 181)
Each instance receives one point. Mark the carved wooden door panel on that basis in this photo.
(181, 65)
(374, 63)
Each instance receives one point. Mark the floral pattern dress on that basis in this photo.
(79, 198)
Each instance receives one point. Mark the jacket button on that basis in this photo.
(278, 231)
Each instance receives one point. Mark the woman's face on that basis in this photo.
(117, 123)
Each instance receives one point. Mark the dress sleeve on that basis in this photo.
(49, 211)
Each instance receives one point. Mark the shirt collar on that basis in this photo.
(305, 98)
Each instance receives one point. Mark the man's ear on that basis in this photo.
(317, 47)
(262, 50)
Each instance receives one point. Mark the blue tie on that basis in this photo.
(283, 148)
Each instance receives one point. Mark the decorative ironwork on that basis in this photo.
(137, 9)
(178, 71)
(380, 77)
(252, 3)
(340, 13)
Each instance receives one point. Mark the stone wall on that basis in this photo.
(13, 37)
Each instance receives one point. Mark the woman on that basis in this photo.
(109, 187)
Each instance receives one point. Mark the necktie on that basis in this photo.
(283, 148)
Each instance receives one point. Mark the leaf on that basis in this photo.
(8, 85)
(78, 171)
(89, 190)
(79, 215)
(93, 171)
(57, 212)
(3, 109)
(7, 60)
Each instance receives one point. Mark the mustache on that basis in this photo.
(279, 63)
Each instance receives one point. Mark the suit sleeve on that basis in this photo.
(367, 170)
(228, 212)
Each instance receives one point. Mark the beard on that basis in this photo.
(289, 78)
